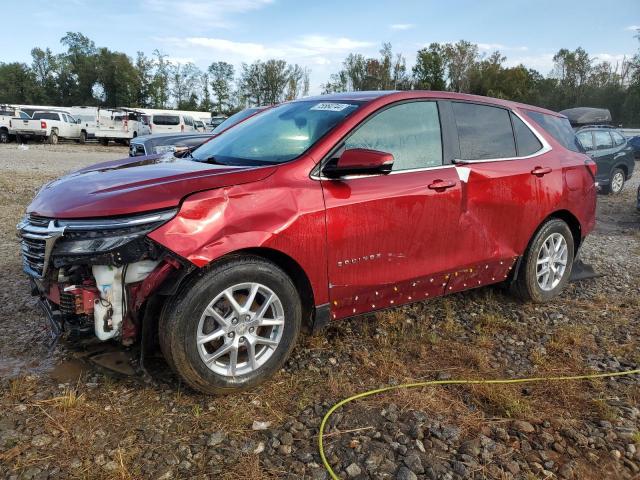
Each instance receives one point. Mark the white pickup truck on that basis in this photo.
(7, 113)
(47, 125)
(120, 125)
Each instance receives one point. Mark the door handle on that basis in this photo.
(540, 171)
(441, 185)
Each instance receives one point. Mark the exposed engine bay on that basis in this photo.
(94, 276)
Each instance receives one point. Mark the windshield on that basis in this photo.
(235, 118)
(278, 135)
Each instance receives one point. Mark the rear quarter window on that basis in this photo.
(526, 141)
(558, 127)
(166, 120)
(618, 139)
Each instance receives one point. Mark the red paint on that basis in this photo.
(365, 243)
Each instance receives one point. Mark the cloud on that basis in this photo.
(312, 48)
(499, 46)
(210, 13)
(402, 26)
(612, 58)
(320, 43)
(632, 28)
(543, 62)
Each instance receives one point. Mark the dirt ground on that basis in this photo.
(62, 416)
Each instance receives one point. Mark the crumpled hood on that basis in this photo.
(134, 185)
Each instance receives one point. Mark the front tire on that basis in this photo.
(231, 327)
(546, 266)
(4, 136)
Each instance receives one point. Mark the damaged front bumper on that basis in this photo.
(94, 275)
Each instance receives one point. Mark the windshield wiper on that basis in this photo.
(211, 159)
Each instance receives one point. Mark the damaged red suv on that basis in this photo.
(316, 210)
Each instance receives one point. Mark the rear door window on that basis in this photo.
(526, 141)
(484, 132)
(408, 131)
(602, 139)
(586, 140)
(166, 120)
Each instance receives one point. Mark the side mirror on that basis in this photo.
(359, 161)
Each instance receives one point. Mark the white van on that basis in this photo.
(168, 122)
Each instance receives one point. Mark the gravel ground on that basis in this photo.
(64, 417)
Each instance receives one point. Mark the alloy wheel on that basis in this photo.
(617, 182)
(240, 329)
(552, 261)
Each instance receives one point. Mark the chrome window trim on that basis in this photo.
(393, 172)
(545, 149)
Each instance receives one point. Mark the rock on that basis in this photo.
(216, 438)
(75, 463)
(566, 471)
(285, 449)
(185, 465)
(405, 474)
(257, 425)
(413, 463)
(513, 467)
(353, 470)
(286, 439)
(616, 454)
(110, 466)
(259, 448)
(522, 426)
(319, 474)
(165, 475)
(470, 447)
(41, 440)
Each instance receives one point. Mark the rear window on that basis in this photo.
(526, 142)
(485, 132)
(46, 116)
(559, 128)
(166, 120)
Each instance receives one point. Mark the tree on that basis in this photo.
(275, 77)
(17, 83)
(460, 60)
(80, 60)
(160, 82)
(143, 88)
(221, 78)
(44, 67)
(429, 70)
(184, 81)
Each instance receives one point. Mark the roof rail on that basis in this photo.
(596, 126)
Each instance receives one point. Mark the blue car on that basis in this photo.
(635, 144)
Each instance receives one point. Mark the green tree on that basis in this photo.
(429, 71)
(221, 77)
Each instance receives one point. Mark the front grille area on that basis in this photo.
(38, 237)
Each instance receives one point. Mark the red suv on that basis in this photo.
(316, 210)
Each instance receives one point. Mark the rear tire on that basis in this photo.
(551, 250)
(53, 138)
(616, 181)
(83, 138)
(256, 343)
(4, 136)
(104, 142)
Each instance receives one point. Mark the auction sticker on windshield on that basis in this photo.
(331, 107)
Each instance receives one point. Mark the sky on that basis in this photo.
(319, 34)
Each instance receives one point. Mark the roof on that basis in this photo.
(368, 96)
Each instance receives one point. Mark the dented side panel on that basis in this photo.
(284, 212)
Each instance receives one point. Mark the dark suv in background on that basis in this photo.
(612, 153)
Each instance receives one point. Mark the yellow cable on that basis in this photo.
(447, 382)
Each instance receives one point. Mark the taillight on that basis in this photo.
(592, 166)
(43, 125)
(182, 128)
